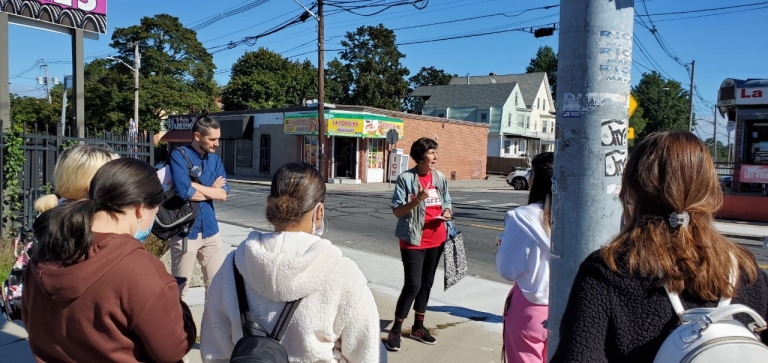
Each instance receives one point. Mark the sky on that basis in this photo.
(725, 43)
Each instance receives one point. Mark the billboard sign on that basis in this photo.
(350, 124)
(89, 15)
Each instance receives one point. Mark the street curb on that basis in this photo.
(249, 182)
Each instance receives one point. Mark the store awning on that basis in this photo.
(236, 127)
(177, 136)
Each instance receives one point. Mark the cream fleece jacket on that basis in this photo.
(337, 320)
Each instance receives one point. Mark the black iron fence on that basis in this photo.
(41, 150)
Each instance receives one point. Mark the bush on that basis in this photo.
(156, 246)
(6, 258)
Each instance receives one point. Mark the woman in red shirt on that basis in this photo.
(422, 205)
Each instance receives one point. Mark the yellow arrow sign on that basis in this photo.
(632, 105)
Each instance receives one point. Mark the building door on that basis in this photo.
(228, 151)
(344, 154)
(265, 146)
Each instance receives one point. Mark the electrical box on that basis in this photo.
(398, 163)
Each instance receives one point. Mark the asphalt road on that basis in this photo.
(364, 221)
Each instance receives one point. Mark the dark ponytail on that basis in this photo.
(64, 233)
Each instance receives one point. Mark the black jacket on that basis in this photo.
(615, 317)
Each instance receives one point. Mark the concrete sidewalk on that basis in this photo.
(466, 320)
(493, 182)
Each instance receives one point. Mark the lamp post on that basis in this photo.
(136, 67)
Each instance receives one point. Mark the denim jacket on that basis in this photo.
(410, 226)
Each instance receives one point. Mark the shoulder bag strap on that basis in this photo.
(249, 326)
(285, 318)
(674, 298)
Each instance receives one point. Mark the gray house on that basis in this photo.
(518, 108)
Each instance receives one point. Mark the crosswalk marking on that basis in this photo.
(504, 205)
(477, 201)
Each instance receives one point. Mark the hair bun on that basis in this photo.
(283, 211)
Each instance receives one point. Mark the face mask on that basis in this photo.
(140, 234)
(317, 229)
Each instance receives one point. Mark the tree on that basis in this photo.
(664, 104)
(427, 76)
(36, 112)
(722, 150)
(176, 72)
(338, 80)
(373, 62)
(545, 61)
(264, 79)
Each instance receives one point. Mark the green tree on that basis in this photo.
(35, 112)
(176, 72)
(338, 80)
(663, 103)
(545, 61)
(427, 76)
(264, 79)
(722, 150)
(373, 60)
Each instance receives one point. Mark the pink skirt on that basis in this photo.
(525, 338)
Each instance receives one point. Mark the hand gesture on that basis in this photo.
(423, 193)
(219, 183)
(447, 214)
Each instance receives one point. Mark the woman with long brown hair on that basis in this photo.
(618, 310)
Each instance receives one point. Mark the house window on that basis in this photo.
(552, 128)
(507, 147)
(264, 153)
(509, 120)
(527, 122)
(544, 128)
(515, 99)
(484, 117)
(538, 103)
(520, 121)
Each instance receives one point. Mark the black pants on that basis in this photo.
(419, 267)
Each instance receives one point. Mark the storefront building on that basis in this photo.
(745, 104)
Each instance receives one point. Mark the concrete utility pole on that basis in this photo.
(690, 114)
(322, 126)
(47, 82)
(136, 67)
(593, 90)
(714, 136)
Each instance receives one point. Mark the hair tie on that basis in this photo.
(679, 219)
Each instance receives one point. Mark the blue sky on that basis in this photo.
(725, 43)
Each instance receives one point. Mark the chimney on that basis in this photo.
(492, 74)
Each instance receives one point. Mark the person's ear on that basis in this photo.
(320, 213)
(196, 136)
(139, 212)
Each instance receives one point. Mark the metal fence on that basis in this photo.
(502, 165)
(727, 173)
(41, 150)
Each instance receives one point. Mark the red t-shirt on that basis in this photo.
(434, 232)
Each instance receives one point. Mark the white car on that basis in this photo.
(519, 179)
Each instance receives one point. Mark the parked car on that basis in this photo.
(726, 183)
(519, 178)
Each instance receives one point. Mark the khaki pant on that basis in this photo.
(208, 251)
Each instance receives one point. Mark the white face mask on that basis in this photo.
(318, 228)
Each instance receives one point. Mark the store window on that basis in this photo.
(376, 153)
(757, 142)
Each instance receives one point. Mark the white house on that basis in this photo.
(518, 108)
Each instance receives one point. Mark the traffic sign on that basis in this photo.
(631, 133)
(632, 105)
(392, 136)
(731, 126)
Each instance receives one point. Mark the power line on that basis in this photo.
(229, 13)
(710, 9)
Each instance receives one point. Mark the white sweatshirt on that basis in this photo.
(337, 320)
(524, 253)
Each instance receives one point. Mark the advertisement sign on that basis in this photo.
(754, 174)
(181, 123)
(89, 15)
(343, 124)
(752, 96)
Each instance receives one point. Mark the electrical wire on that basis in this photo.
(229, 13)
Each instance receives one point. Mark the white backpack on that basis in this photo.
(712, 335)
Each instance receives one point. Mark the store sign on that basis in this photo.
(89, 15)
(754, 174)
(181, 123)
(752, 96)
(343, 124)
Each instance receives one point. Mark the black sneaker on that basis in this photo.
(422, 335)
(393, 341)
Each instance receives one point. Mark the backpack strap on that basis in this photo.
(674, 298)
(251, 328)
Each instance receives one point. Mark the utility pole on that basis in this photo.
(47, 82)
(690, 114)
(714, 136)
(136, 67)
(321, 90)
(594, 68)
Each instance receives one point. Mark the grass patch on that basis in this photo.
(156, 246)
(6, 258)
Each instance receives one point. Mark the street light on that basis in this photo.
(135, 69)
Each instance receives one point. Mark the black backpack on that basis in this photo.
(254, 347)
(176, 215)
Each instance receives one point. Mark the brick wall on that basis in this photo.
(462, 146)
(738, 143)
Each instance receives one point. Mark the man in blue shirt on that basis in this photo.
(204, 242)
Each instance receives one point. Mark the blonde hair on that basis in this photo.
(74, 171)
